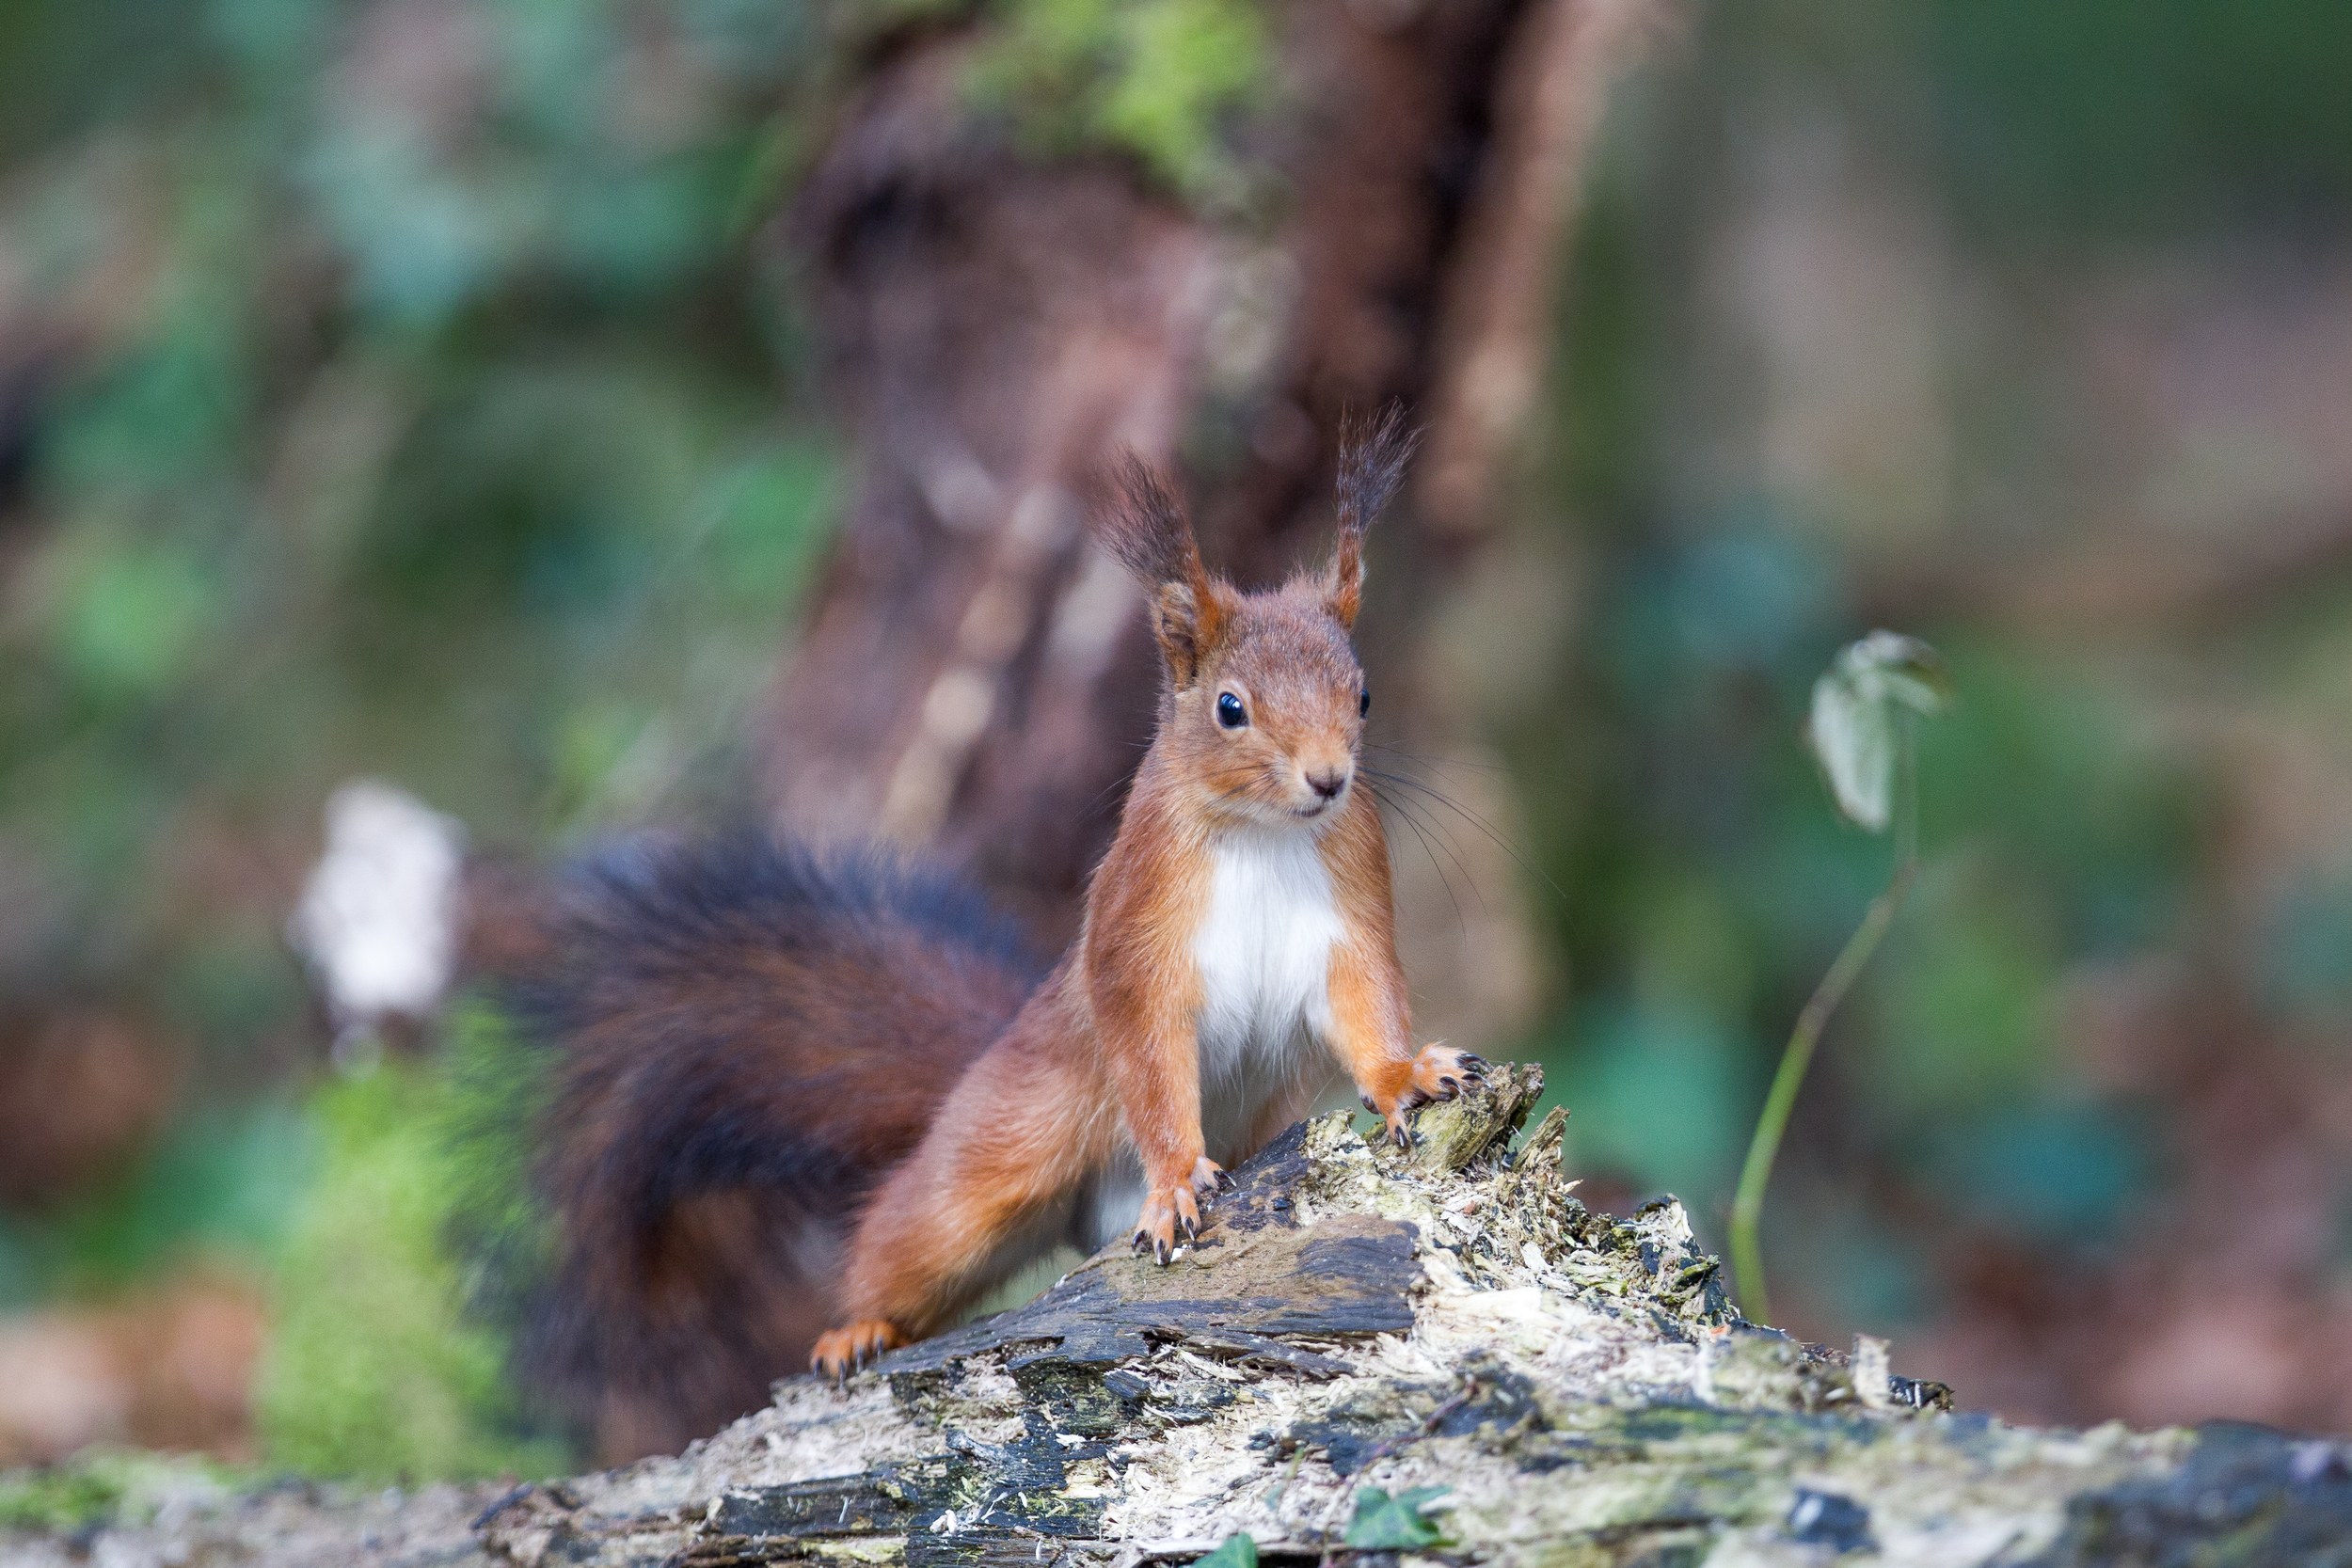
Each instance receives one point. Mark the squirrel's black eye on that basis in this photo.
(1363, 704)
(1230, 712)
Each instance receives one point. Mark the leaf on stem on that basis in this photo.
(1855, 715)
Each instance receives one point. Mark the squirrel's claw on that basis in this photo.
(1207, 1177)
(1172, 1210)
(840, 1352)
(1441, 1072)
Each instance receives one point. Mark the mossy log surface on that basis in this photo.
(1355, 1317)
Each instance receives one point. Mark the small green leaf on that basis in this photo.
(1386, 1524)
(1853, 724)
(1239, 1551)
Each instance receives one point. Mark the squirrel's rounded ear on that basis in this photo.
(1186, 618)
(1176, 625)
(1144, 526)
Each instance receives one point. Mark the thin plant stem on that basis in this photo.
(1747, 1206)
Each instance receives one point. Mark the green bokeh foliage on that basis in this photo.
(433, 406)
(394, 1292)
(1708, 881)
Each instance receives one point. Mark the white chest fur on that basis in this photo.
(1264, 950)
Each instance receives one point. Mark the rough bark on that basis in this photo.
(1354, 1319)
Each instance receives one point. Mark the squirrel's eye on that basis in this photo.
(1363, 704)
(1230, 712)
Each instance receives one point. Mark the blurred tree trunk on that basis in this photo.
(974, 678)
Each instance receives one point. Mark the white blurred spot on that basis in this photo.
(378, 916)
(1091, 614)
(1872, 1373)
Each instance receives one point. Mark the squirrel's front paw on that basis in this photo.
(1440, 1072)
(841, 1350)
(1176, 1208)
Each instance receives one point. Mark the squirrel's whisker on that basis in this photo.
(1436, 864)
(1526, 862)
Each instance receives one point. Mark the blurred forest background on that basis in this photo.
(512, 400)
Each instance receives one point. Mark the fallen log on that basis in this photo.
(1371, 1355)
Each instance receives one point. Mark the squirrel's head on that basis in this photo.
(1266, 702)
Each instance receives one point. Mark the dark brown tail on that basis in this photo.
(747, 1038)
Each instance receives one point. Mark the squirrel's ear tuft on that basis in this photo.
(1140, 522)
(1373, 454)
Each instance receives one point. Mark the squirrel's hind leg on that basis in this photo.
(990, 1188)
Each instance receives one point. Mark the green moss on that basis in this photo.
(101, 1484)
(376, 1369)
(59, 1499)
(1154, 78)
(490, 1095)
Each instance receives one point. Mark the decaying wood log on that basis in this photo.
(1355, 1324)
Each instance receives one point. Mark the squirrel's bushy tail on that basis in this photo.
(746, 1036)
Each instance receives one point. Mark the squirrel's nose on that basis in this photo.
(1327, 785)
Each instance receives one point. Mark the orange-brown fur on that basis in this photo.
(1104, 1062)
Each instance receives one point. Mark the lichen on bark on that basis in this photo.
(1359, 1325)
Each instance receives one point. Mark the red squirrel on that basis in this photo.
(763, 1043)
